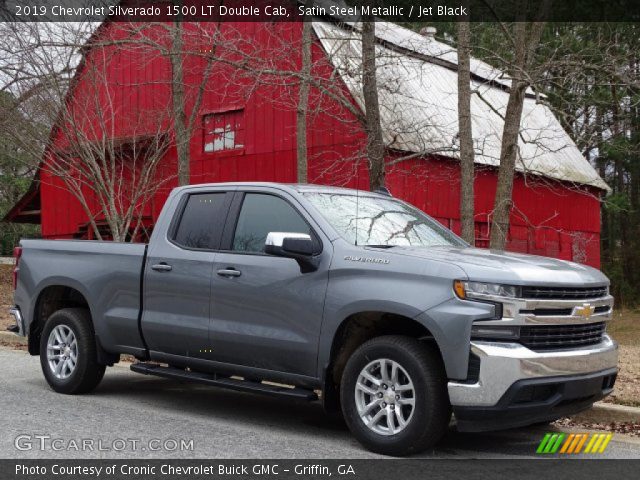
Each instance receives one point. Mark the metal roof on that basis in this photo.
(417, 86)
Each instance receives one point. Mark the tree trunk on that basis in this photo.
(465, 133)
(375, 143)
(178, 101)
(508, 156)
(303, 99)
(525, 45)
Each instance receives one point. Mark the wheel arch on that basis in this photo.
(52, 298)
(356, 329)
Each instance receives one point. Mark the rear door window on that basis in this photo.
(200, 223)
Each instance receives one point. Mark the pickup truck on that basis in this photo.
(353, 298)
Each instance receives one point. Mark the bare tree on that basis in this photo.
(525, 40)
(117, 175)
(375, 143)
(176, 56)
(275, 63)
(113, 177)
(467, 198)
(303, 98)
(201, 42)
(183, 44)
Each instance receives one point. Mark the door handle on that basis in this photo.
(229, 272)
(161, 267)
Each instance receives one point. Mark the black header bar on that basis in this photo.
(427, 11)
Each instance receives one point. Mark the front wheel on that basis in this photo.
(394, 395)
(68, 352)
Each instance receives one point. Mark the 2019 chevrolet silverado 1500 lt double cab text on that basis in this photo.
(294, 289)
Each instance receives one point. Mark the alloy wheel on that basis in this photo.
(385, 397)
(62, 351)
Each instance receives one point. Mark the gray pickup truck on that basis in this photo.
(312, 292)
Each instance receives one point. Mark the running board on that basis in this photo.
(216, 380)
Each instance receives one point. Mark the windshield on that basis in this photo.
(367, 220)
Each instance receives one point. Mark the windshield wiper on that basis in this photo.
(379, 246)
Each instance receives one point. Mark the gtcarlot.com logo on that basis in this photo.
(574, 443)
(27, 442)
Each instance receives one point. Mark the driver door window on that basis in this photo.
(261, 214)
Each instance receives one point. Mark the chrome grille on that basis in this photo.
(563, 293)
(557, 337)
(558, 312)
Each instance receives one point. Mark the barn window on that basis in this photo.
(223, 131)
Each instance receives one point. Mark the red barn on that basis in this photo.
(245, 126)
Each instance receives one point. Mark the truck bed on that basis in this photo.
(107, 274)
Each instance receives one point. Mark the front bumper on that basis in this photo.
(537, 400)
(17, 315)
(502, 364)
(505, 368)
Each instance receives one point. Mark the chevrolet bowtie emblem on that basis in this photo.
(585, 311)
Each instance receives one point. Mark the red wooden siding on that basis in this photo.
(550, 218)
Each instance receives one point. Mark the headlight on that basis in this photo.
(480, 290)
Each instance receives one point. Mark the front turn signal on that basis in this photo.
(458, 287)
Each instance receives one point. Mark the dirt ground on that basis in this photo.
(625, 328)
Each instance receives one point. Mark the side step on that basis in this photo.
(216, 380)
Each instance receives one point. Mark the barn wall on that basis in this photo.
(550, 218)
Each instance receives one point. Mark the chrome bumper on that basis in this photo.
(17, 315)
(502, 364)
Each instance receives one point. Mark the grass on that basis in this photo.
(625, 327)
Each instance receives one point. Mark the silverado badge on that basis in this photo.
(353, 258)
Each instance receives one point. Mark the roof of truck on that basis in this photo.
(295, 187)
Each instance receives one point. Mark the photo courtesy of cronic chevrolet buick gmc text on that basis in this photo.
(290, 290)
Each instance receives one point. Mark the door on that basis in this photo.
(178, 272)
(265, 312)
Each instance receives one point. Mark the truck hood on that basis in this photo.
(509, 268)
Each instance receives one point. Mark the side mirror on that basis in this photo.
(298, 246)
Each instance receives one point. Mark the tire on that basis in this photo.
(420, 365)
(73, 378)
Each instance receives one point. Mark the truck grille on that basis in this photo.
(563, 293)
(558, 312)
(556, 337)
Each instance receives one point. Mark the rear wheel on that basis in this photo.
(394, 395)
(68, 352)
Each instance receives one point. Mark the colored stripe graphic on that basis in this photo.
(556, 446)
(551, 443)
(567, 443)
(584, 439)
(605, 443)
(590, 444)
(543, 443)
(597, 444)
(572, 443)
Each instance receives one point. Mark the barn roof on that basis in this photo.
(417, 84)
